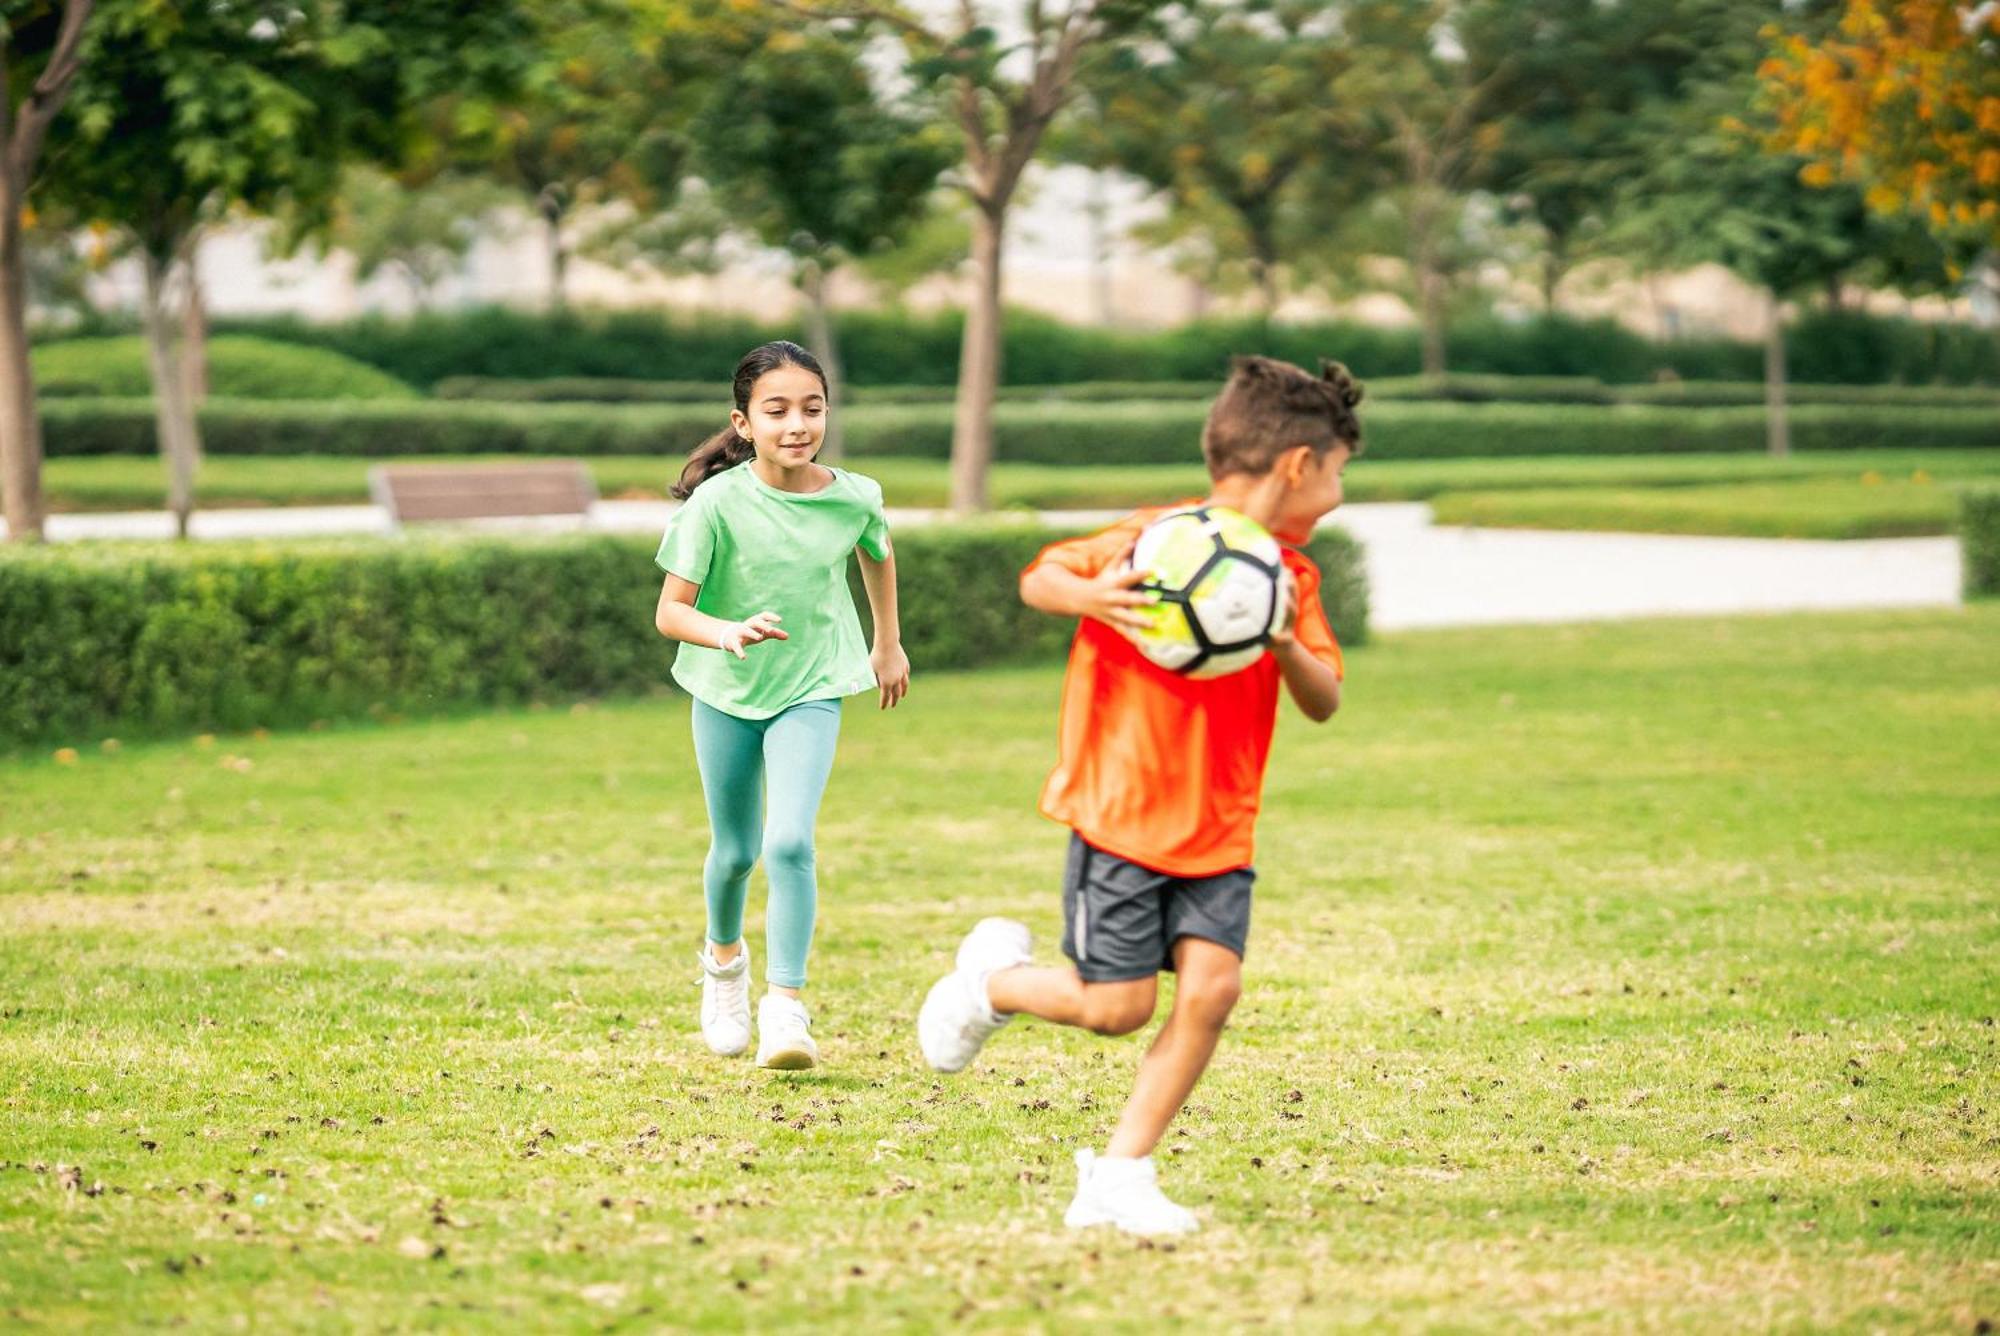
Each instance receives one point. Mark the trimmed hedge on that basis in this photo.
(424, 427)
(1733, 393)
(582, 390)
(1452, 389)
(1979, 541)
(152, 639)
(611, 390)
(238, 366)
(1043, 433)
(899, 348)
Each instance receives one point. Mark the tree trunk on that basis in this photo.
(1834, 294)
(25, 114)
(552, 219)
(978, 367)
(419, 289)
(194, 331)
(1099, 212)
(1431, 311)
(173, 411)
(1777, 430)
(1264, 270)
(20, 423)
(1555, 267)
(819, 333)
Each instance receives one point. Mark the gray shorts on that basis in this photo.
(1121, 920)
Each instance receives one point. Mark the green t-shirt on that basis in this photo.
(752, 547)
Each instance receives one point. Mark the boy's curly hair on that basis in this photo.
(1269, 407)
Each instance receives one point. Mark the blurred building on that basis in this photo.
(1069, 254)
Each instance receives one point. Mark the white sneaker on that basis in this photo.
(1125, 1193)
(957, 1019)
(784, 1034)
(725, 1001)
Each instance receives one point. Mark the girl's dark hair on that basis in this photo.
(727, 448)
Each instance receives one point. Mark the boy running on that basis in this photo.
(1159, 778)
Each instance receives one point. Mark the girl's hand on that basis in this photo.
(750, 631)
(892, 672)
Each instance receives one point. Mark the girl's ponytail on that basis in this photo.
(725, 449)
(728, 447)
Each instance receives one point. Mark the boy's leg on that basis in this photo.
(1211, 979)
(730, 754)
(1120, 1187)
(1115, 933)
(798, 759)
(1061, 995)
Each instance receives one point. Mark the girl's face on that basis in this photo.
(787, 417)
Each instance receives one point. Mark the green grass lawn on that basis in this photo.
(122, 483)
(1626, 977)
(1847, 507)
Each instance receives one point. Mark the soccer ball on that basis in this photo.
(1221, 588)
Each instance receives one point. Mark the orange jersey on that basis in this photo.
(1164, 770)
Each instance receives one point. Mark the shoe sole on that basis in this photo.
(787, 1060)
(1090, 1220)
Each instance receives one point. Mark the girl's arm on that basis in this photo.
(678, 619)
(892, 666)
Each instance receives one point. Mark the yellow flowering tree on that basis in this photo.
(1902, 98)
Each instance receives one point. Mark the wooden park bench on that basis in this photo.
(427, 493)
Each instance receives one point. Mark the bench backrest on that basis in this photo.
(413, 493)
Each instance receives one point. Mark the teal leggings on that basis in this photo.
(785, 759)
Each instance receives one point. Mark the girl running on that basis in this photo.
(756, 592)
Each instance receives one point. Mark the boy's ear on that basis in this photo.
(1294, 464)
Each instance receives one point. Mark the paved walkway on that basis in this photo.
(1420, 574)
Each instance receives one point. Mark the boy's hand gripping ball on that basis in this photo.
(1221, 590)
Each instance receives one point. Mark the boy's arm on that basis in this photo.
(1109, 596)
(1308, 656)
(1314, 684)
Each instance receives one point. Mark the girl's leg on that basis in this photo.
(798, 759)
(730, 752)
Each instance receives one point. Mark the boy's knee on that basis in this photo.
(1209, 997)
(1116, 1012)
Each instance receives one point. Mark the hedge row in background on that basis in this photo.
(1454, 389)
(149, 639)
(898, 348)
(1979, 541)
(1082, 433)
(238, 366)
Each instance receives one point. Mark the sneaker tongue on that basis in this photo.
(1123, 1170)
(788, 1007)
